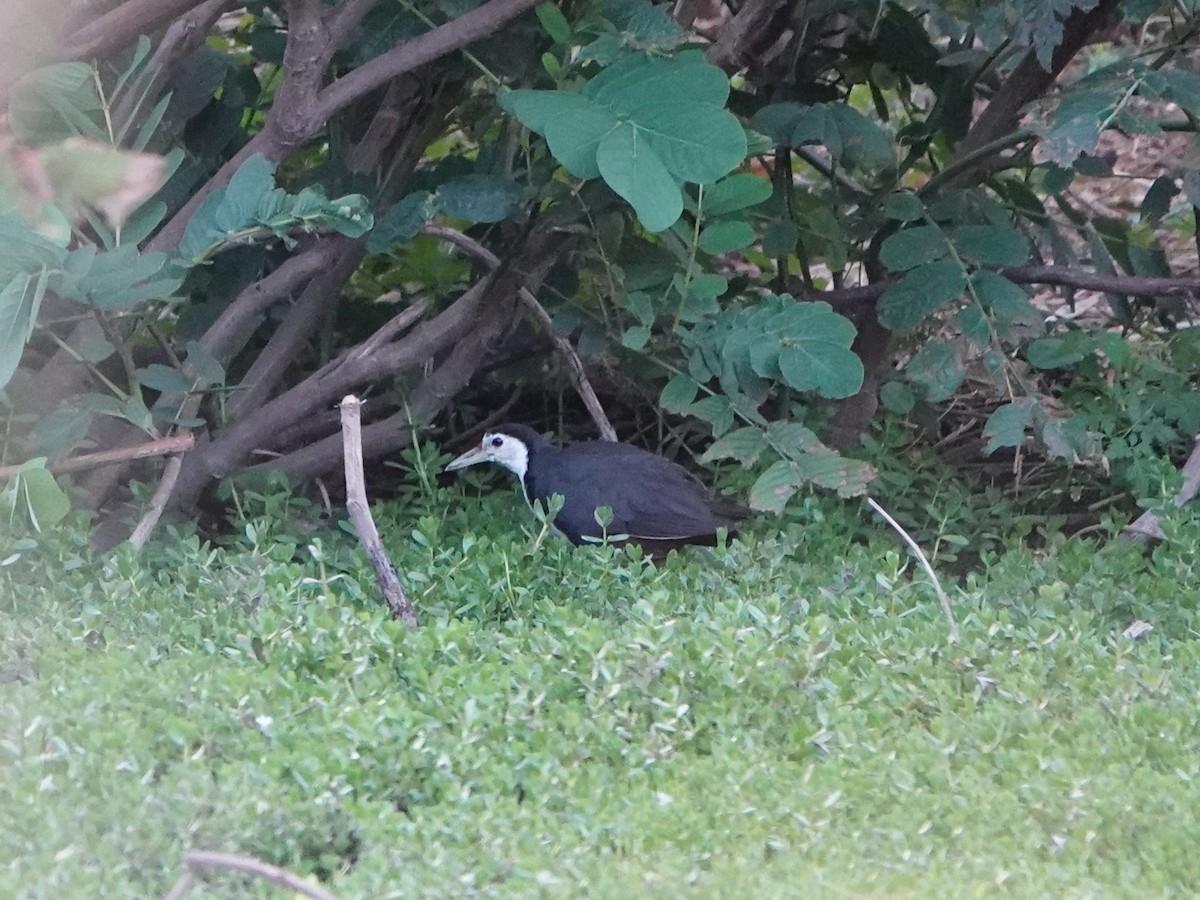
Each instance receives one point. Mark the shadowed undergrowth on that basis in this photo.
(783, 716)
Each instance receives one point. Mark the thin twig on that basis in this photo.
(209, 859)
(574, 364)
(158, 503)
(360, 514)
(1059, 276)
(161, 447)
(955, 636)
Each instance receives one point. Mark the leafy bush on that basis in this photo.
(772, 229)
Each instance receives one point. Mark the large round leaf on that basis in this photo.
(635, 171)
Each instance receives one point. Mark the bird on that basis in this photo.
(655, 503)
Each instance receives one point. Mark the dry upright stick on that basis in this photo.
(360, 514)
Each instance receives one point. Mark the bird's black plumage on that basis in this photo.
(654, 501)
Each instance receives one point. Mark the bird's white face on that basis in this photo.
(496, 447)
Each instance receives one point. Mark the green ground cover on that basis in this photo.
(780, 718)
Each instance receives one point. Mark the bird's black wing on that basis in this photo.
(651, 498)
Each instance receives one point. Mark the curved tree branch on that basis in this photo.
(122, 25)
(414, 53)
(1058, 276)
(574, 364)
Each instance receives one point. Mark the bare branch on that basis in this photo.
(562, 345)
(360, 515)
(160, 447)
(395, 432)
(1136, 285)
(297, 328)
(414, 53)
(324, 387)
(345, 18)
(122, 25)
(234, 323)
(1060, 276)
(183, 36)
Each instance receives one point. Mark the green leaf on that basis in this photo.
(938, 370)
(779, 239)
(851, 138)
(45, 502)
(479, 198)
(903, 206)
(1007, 302)
(402, 222)
(25, 251)
(19, 303)
(1059, 352)
(736, 192)
(1006, 426)
(792, 440)
(726, 236)
(716, 410)
(974, 323)
(897, 398)
(554, 23)
(679, 393)
(708, 284)
(827, 469)
(921, 292)
(572, 125)
(54, 103)
(253, 180)
(640, 305)
(743, 444)
(644, 123)
(774, 488)
(1068, 439)
(991, 245)
(118, 279)
(635, 338)
(162, 378)
(1157, 202)
(204, 364)
(636, 172)
(1074, 127)
(913, 247)
(822, 365)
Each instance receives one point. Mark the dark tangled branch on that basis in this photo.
(1057, 276)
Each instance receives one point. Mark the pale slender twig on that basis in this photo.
(160, 447)
(561, 344)
(158, 503)
(208, 859)
(955, 636)
(360, 514)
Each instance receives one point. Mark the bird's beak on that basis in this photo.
(470, 458)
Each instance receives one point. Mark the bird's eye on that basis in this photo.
(497, 442)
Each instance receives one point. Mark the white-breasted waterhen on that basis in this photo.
(654, 502)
